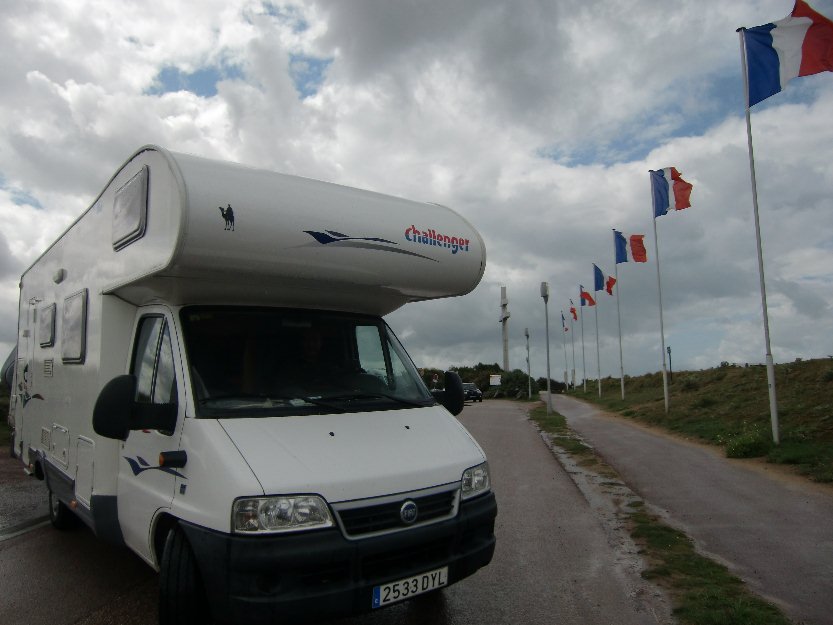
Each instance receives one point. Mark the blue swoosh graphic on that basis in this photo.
(331, 236)
(370, 243)
(140, 465)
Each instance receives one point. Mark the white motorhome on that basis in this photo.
(203, 374)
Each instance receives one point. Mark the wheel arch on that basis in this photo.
(38, 471)
(165, 522)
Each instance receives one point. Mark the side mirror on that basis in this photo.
(116, 411)
(452, 398)
(111, 414)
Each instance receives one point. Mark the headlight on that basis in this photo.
(280, 514)
(475, 481)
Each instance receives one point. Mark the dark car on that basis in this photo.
(471, 392)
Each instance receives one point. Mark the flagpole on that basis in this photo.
(661, 325)
(545, 295)
(564, 342)
(583, 359)
(618, 316)
(598, 358)
(770, 365)
(573, 342)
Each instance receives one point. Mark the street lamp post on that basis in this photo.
(545, 293)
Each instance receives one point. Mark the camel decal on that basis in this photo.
(228, 215)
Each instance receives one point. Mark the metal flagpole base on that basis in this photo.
(773, 404)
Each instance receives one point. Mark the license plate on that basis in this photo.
(409, 587)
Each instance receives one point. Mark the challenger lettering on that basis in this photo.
(432, 237)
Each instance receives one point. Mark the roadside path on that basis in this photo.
(772, 530)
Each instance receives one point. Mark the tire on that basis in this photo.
(60, 516)
(182, 599)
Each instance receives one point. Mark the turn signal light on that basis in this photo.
(173, 459)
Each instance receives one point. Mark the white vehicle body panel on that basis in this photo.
(355, 456)
(295, 243)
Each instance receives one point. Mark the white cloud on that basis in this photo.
(537, 121)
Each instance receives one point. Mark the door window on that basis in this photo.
(153, 363)
(371, 354)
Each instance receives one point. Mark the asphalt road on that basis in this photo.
(22, 499)
(772, 529)
(555, 561)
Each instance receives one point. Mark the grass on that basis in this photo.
(729, 406)
(702, 591)
(556, 425)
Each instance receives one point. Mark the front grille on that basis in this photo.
(380, 517)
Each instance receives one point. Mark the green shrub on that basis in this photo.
(689, 384)
(704, 402)
(752, 444)
(716, 375)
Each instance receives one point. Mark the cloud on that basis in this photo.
(537, 121)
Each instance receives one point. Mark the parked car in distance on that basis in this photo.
(472, 392)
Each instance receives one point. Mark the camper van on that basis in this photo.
(203, 374)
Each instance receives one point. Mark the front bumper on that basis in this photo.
(320, 574)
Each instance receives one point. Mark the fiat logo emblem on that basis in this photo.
(408, 512)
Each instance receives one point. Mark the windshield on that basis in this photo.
(266, 362)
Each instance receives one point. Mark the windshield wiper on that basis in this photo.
(243, 397)
(376, 395)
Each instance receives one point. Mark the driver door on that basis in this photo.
(145, 487)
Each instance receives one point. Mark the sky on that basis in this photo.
(538, 121)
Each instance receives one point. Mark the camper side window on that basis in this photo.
(74, 328)
(153, 363)
(46, 326)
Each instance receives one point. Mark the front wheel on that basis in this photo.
(60, 516)
(182, 598)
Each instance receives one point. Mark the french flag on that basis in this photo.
(598, 278)
(667, 186)
(629, 249)
(586, 298)
(801, 44)
(599, 281)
